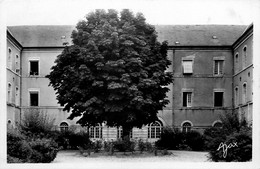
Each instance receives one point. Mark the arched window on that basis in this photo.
(120, 133)
(186, 127)
(17, 66)
(9, 93)
(236, 97)
(17, 96)
(217, 124)
(155, 129)
(64, 127)
(9, 124)
(244, 57)
(244, 93)
(95, 131)
(236, 63)
(9, 58)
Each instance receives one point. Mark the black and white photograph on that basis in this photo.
(130, 84)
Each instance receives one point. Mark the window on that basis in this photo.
(244, 57)
(218, 67)
(120, 132)
(9, 58)
(155, 129)
(17, 67)
(17, 96)
(64, 127)
(187, 66)
(9, 124)
(34, 98)
(9, 93)
(236, 63)
(95, 132)
(244, 93)
(186, 127)
(34, 67)
(187, 99)
(218, 99)
(236, 97)
(217, 125)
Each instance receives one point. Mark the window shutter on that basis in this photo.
(188, 99)
(220, 67)
(187, 66)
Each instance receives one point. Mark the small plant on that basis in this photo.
(97, 146)
(141, 145)
(124, 145)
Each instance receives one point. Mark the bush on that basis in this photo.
(233, 132)
(97, 145)
(44, 149)
(124, 145)
(36, 123)
(195, 140)
(71, 140)
(33, 141)
(242, 151)
(17, 147)
(141, 146)
(11, 159)
(145, 146)
(169, 139)
(177, 140)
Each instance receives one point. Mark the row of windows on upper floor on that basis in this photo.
(243, 62)
(188, 97)
(218, 67)
(10, 61)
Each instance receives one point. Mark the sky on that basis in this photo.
(157, 12)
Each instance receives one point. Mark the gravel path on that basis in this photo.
(73, 156)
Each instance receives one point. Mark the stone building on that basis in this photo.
(212, 67)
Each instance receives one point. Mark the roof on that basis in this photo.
(186, 35)
(200, 35)
(248, 31)
(42, 36)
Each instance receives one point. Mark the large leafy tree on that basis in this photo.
(114, 72)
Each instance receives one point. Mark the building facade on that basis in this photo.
(208, 80)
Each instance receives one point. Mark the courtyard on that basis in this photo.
(74, 156)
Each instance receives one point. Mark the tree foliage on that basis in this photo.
(114, 72)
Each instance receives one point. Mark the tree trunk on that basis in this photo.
(126, 132)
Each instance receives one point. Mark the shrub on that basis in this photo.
(11, 159)
(97, 145)
(194, 140)
(177, 140)
(32, 142)
(168, 140)
(124, 145)
(17, 147)
(71, 140)
(145, 146)
(141, 146)
(36, 123)
(44, 150)
(149, 147)
(233, 132)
